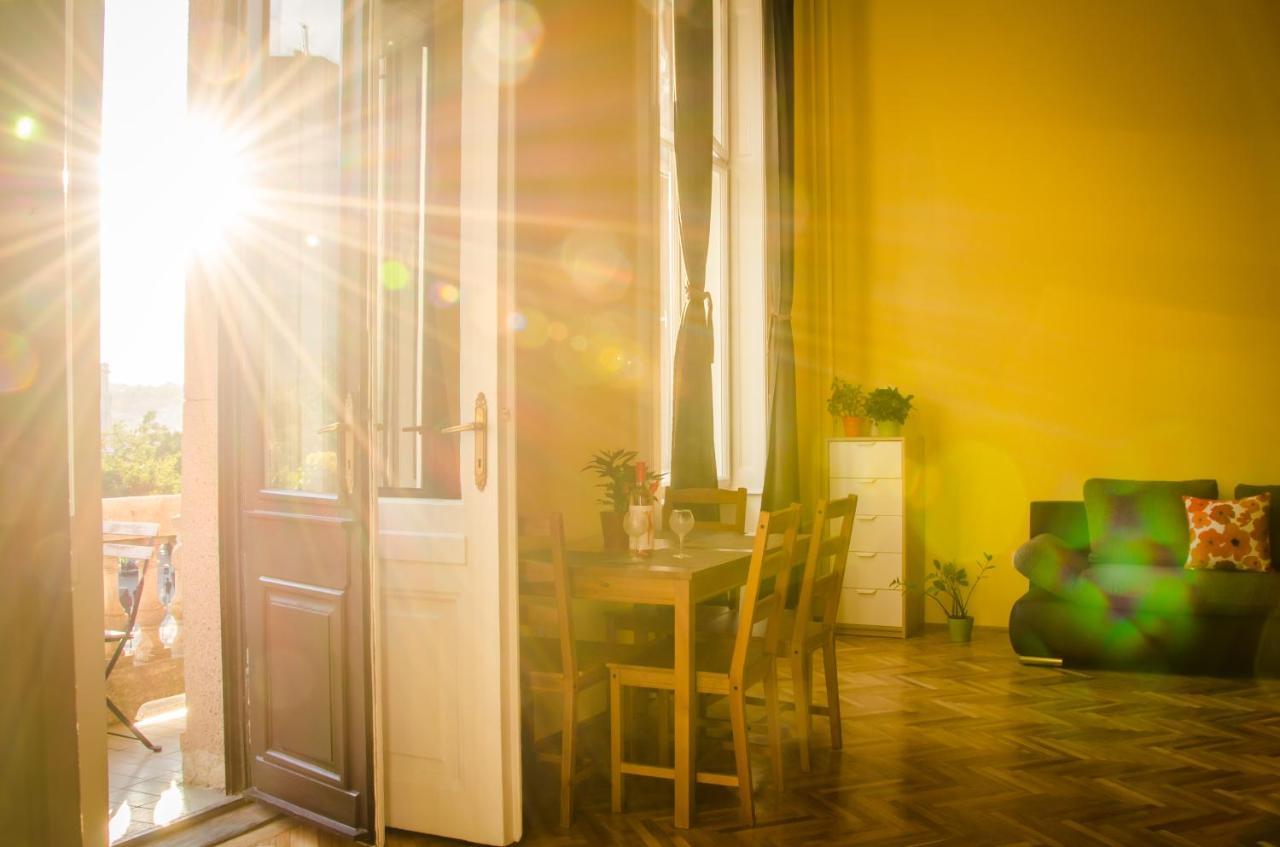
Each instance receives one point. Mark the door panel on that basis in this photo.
(302, 375)
(448, 649)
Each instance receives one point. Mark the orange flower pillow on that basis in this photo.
(1230, 534)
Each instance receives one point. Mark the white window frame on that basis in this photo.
(739, 371)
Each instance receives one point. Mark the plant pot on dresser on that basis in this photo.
(887, 533)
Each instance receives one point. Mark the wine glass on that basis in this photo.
(635, 523)
(681, 523)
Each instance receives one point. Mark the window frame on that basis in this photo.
(740, 310)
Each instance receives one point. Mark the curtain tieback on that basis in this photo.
(702, 297)
(780, 316)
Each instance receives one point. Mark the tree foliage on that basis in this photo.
(142, 460)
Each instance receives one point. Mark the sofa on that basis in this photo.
(1108, 587)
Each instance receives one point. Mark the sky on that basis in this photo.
(144, 106)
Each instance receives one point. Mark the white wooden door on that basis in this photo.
(449, 685)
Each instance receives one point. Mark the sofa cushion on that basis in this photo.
(1048, 562)
(1245, 490)
(1233, 535)
(1172, 592)
(1137, 522)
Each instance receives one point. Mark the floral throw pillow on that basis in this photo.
(1229, 534)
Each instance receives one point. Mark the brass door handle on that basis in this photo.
(480, 426)
(349, 444)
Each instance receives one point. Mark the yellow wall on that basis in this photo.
(1057, 224)
(583, 277)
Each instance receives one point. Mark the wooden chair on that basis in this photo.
(727, 667)
(693, 498)
(551, 660)
(138, 542)
(811, 626)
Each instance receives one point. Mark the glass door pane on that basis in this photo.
(419, 287)
(303, 249)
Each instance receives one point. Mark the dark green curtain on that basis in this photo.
(693, 452)
(782, 462)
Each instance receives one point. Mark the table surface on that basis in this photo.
(705, 552)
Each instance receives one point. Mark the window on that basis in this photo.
(735, 253)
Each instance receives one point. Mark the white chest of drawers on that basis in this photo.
(887, 533)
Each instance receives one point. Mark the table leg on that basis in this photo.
(685, 700)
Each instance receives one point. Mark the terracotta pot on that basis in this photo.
(961, 629)
(852, 426)
(615, 537)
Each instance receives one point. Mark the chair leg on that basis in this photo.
(832, 679)
(615, 740)
(772, 706)
(568, 731)
(801, 677)
(664, 728)
(133, 730)
(742, 755)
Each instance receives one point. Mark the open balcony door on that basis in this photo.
(446, 588)
(295, 417)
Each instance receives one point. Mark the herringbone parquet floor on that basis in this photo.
(960, 744)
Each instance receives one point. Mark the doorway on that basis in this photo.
(168, 187)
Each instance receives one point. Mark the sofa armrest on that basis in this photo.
(1048, 562)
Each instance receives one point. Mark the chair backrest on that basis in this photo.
(130, 539)
(765, 593)
(685, 498)
(545, 601)
(824, 564)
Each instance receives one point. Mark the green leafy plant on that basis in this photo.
(948, 582)
(617, 472)
(847, 400)
(888, 404)
(142, 460)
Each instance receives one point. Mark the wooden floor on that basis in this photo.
(960, 744)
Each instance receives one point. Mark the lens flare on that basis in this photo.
(597, 265)
(516, 321)
(445, 294)
(394, 275)
(214, 191)
(535, 331)
(514, 59)
(17, 363)
(25, 127)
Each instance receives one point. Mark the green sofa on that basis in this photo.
(1108, 588)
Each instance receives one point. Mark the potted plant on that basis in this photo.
(889, 409)
(948, 582)
(616, 470)
(847, 402)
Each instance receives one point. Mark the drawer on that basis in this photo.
(872, 570)
(876, 533)
(870, 607)
(864, 459)
(875, 496)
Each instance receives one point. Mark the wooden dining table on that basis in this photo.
(716, 563)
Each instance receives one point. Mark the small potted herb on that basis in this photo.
(947, 582)
(889, 409)
(616, 470)
(847, 402)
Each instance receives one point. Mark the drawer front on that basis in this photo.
(876, 533)
(872, 570)
(871, 607)
(864, 459)
(875, 496)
